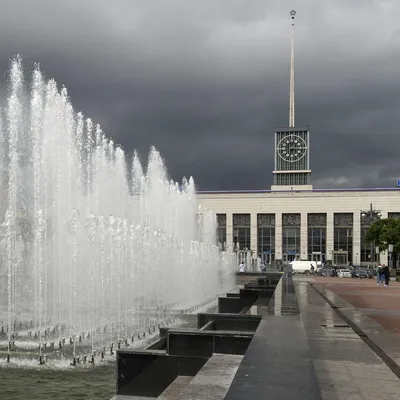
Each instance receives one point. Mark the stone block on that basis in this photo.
(148, 373)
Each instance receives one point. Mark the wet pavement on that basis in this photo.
(380, 303)
(354, 356)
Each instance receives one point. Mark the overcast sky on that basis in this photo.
(207, 82)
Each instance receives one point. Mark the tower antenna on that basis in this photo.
(291, 96)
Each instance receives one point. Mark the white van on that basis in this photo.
(303, 267)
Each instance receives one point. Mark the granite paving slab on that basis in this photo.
(122, 397)
(175, 389)
(346, 367)
(213, 380)
(277, 364)
(385, 342)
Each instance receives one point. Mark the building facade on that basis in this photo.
(320, 225)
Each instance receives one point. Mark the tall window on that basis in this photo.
(221, 230)
(395, 256)
(394, 215)
(342, 238)
(291, 236)
(367, 249)
(241, 231)
(316, 237)
(266, 237)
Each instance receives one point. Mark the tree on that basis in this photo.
(384, 232)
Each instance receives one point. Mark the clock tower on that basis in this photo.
(292, 151)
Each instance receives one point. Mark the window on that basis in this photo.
(366, 248)
(343, 238)
(266, 237)
(221, 230)
(395, 256)
(291, 236)
(316, 237)
(394, 215)
(241, 231)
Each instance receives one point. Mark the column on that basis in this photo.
(253, 234)
(229, 232)
(303, 236)
(329, 236)
(278, 236)
(356, 239)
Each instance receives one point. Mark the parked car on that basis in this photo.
(344, 273)
(325, 271)
(359, 273)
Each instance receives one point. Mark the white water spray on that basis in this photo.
(90, 257)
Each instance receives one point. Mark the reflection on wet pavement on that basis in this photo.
(347, 368)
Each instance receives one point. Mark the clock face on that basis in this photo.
(292, 148)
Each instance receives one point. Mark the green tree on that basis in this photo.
(384, 232)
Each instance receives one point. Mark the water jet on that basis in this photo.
(84, 248)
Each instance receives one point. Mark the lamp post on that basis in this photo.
(390, 251)
(370, 217)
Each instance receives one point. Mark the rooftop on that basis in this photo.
(299, 191)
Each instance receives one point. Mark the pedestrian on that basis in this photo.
(379, 275)
(386, 274)
(242, 267)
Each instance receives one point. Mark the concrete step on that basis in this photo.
(175, 389)
(214, 379)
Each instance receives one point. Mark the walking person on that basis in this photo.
(242, 267)
(379, 275)
(386, 274)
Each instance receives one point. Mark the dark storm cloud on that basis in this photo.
(207, 82)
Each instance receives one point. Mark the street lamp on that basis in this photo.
(370, 217)
(390, 251)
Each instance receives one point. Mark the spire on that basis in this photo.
(291, 98)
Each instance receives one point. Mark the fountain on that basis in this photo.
(91, 260)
